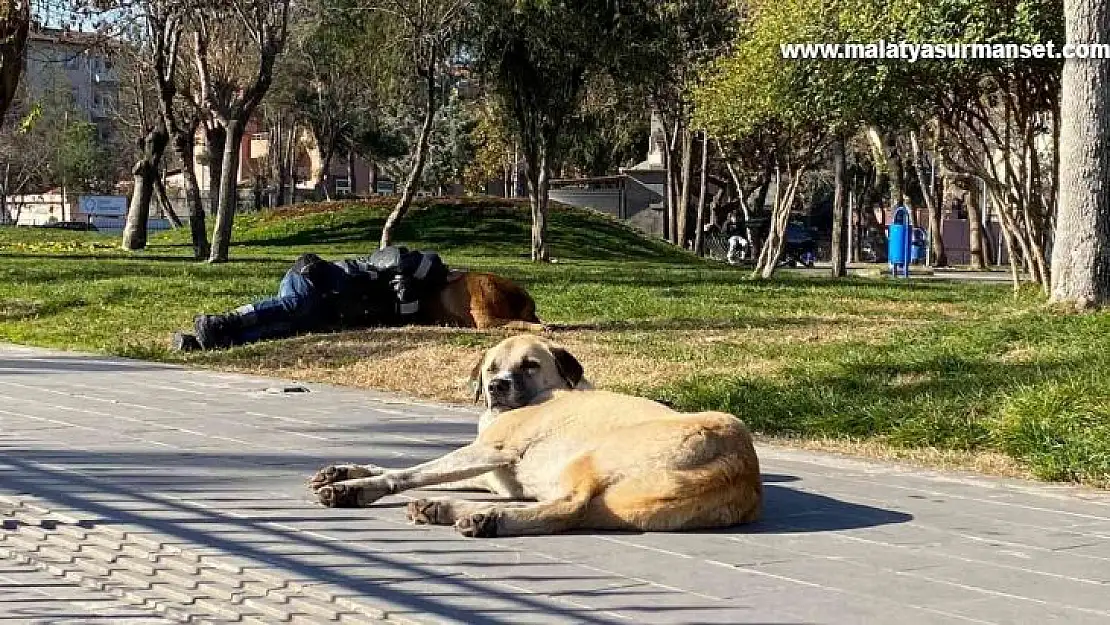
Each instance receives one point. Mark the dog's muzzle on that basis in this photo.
(506, 392)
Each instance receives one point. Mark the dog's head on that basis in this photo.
(519, 369)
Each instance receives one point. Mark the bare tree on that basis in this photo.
(1081, 251)
(262, 26)
(166, 24)
(428, 28)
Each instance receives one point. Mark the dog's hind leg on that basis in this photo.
(581, 482)
(447, 511)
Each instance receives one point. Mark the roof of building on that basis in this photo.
(82, 39)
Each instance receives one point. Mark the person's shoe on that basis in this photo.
(183, 342)
(215, 331)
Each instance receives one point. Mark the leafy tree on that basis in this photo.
(993, 116)
(775, 107)
(607, 132)
(427, 32)
(83, 164)
(452, 145)
(674, 43)
(54, 146)
(494, 154)
(338, 74)
(537, 58)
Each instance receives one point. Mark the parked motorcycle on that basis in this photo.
(801, 246)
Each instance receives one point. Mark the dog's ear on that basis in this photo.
(569, 367)
(476, 378)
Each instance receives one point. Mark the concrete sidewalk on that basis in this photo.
(138, 492)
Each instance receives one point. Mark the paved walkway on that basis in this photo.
(137, 492)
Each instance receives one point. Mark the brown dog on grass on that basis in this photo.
(472, 299)
(572, 459)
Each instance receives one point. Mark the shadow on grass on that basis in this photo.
(138, 258)
(489, 226)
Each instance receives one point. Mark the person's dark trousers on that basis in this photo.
(294, 310)
(301, 305)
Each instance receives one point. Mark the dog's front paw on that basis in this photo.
(428, 512)
(480, 525)
(329, 475)
(342, 473)
(349, 495)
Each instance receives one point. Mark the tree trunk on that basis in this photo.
(539, 177)
(5, 216)
(515, 191)
(286, 162)
(167, 206)
(229, 196)
(976, 244)
(15, 22)
(417, 172)
(326, 179)
(760, 195)
(1081, 253)
(781, 224)
(668, 190)
(351, 181)
(699, 239)
(540, 253)
(775, 243)
(183, 145)
(851, 222)
(682, 231)
(215, 137)
(838, 252)
(933, 202)
(145, 175)
(897, 172)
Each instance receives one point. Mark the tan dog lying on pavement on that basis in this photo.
(589, 459)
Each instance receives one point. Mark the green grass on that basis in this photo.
(952, 366)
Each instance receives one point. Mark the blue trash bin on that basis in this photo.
(900, 244)
(920, 243)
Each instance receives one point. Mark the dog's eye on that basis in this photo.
(529, 366)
